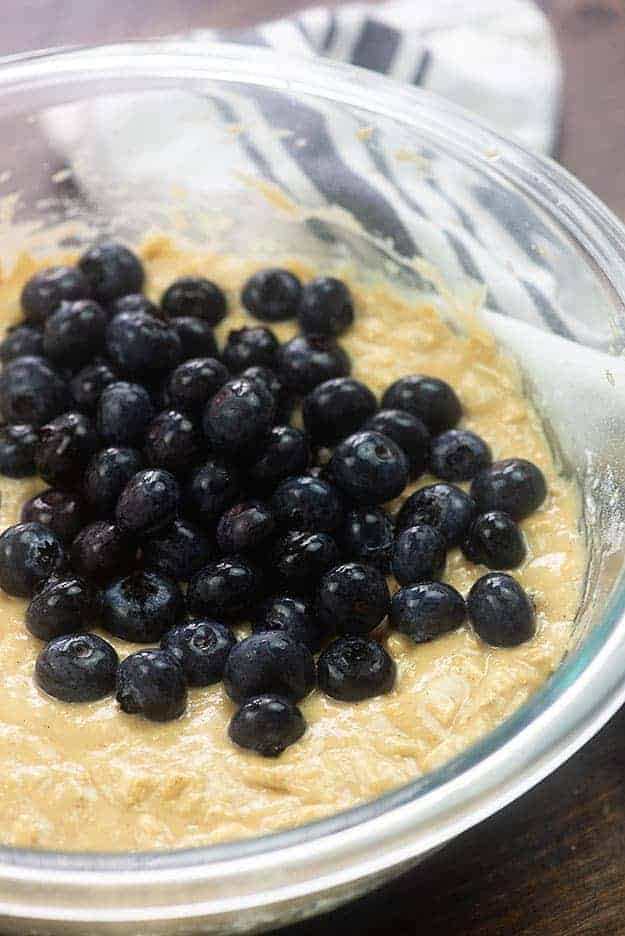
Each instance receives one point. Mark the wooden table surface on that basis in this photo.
(553, 863)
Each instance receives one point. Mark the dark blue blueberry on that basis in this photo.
(285, 454)
(124, 412)
(60, 511)
(429, 398)
(21, 340)
(74, 333)
(443, 506)
(106, 475)
(180, 552)
(77, 668)
(148, 504)
(353, 598)
(337, 408)
(299, 560)
(134, 302)
(292, 616)
(326, 307)
(419, 554)
(89, 383)
(196, 337)
(227, 589)
(267, 724)
(211, 490)
(46, 290)
(514, 485)
(17, 451)
(202, 648)
(458, 455)
(31, 391)
(250, 347)
(285, 400)
(100, 552)
(172, 442)
(369, 468)
(151, 683)
(308, 360)
(270, 661)
(245, 527)
(238, 419)
(428, 610)
(61, 606)
(307, 504)
(111, 270)
(29, 554)
(141, 606)
(500, 611)
(352, 669)
(140, 345)
(409, 432)
(368, 537)
(192, 384)
(194, 296)
(272, 295)
(66, 445)
(494, 540)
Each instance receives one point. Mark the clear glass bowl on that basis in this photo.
(109, 139)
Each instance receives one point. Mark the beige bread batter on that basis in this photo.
(87, 776)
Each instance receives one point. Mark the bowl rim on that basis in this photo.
(573, 705)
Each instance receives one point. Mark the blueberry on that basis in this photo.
(29, 554)
(31, 392)
(429, 398)
(124, 412)
(179, 552)
(194, 296)
(141, 345)
(337, 408)
(148, 503)
(106, 475)
(285, 454)
(46, 290)
(368, 537)
(250, 346)
(238, 419)
(326, 307)
(65, 447)
(443, 506)
(172, 442)
(500, 611)
(292, 616)
(428, 610)
(270, 661)
(369, 468)
(458, 455)
(272, 295)
(111, 270)
(210, 490)
(100, 552)
(228, 589)
(77, 668)
(151, 683)
(21, 340)
(285, 400)
(300, 559)
(196, 337)
(17, 451)
(202, 648)
(409, 432)
(74, 333)
(419, 554)
(89, 383)
(308, 360)
(307, 504)
(141, 606)
(60, 606)
(134, 302)
(352, 669)
(494, 540)
(60, 511)
(267, 724)
(245, 527)
(353, 598)
(192, 384)
(514, 485)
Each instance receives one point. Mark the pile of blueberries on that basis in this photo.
(170, 461)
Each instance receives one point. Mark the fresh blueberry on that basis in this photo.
(285, 454)
(267, 724)
(427, 610)
(353, 598)
(269, 661)
(179, 552)
(21, 340)
(148, 503)
(18, 445)
(368, 537)
(202, 648)
(111, 270)
(429, 398)
(307, 504)
(337, 408)
(300, 559)
(77, 668)
(29, 554)
(308, 360)
(369, 468)
(141, 345)
(65, 448)
(211, 490)
(60, 606)
(89, 383)
(172, 442)
(106, 475)
(352, 669)
(46, 290)
(249, 347)
(151, 683)
(458, 455)
(419, 554)
(407, 431)
(285, 400)
(100, 552)
(124, 412)
(141, 606)
(192, 384)
(226, 589)
(494, 540)
(74, 333)
(272, 295)
(294, 617)
(195, 296)
(245, 527)
(500, 611)
(196, 337)
(134, 302)
(514, 485)
(326, 307)
(60, 511)
(238, 419)
(31, 391)
(443, 506)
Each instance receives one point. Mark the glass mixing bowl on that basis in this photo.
(196, 138)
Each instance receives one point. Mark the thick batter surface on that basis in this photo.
(90, 777)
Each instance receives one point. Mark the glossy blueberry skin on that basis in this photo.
(100, 552)
(270, 661)
(300, 559)
(111, 270)
(66, 445)
(46, 290)
(211, 490)
(286, 454)
(196, 337)
(124, 412)
(292, 616)
(368, 536)
(89, 383)
(419, 554)
(201, 648)
(60, 511)
(500, 611)
(134, 302)
(272, 295)
(61, 606)
(151, 683)
(238, 419)
(193, 383)
(181, 551)
(250, 346)
(194, 296)
(336, 409)
(458, 455)
(285, 399)
(172, 442)
(515, 486)
(429, 398)
(148, 503)
(228, 589)
(352, 669)
(326, 307)
(74, 333)
(245, 527)
(308, 360)
(21, 340)
(443, 506)
(77, 668)
(353, 598)
(307, 504)
(409, 432)
(29, 554)
(427, 610)
(141, 345)
(494, 540)
(267, 724)
(369, 468)
(141, 606)
(31, 391)
(17, 451)
(106, 475)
